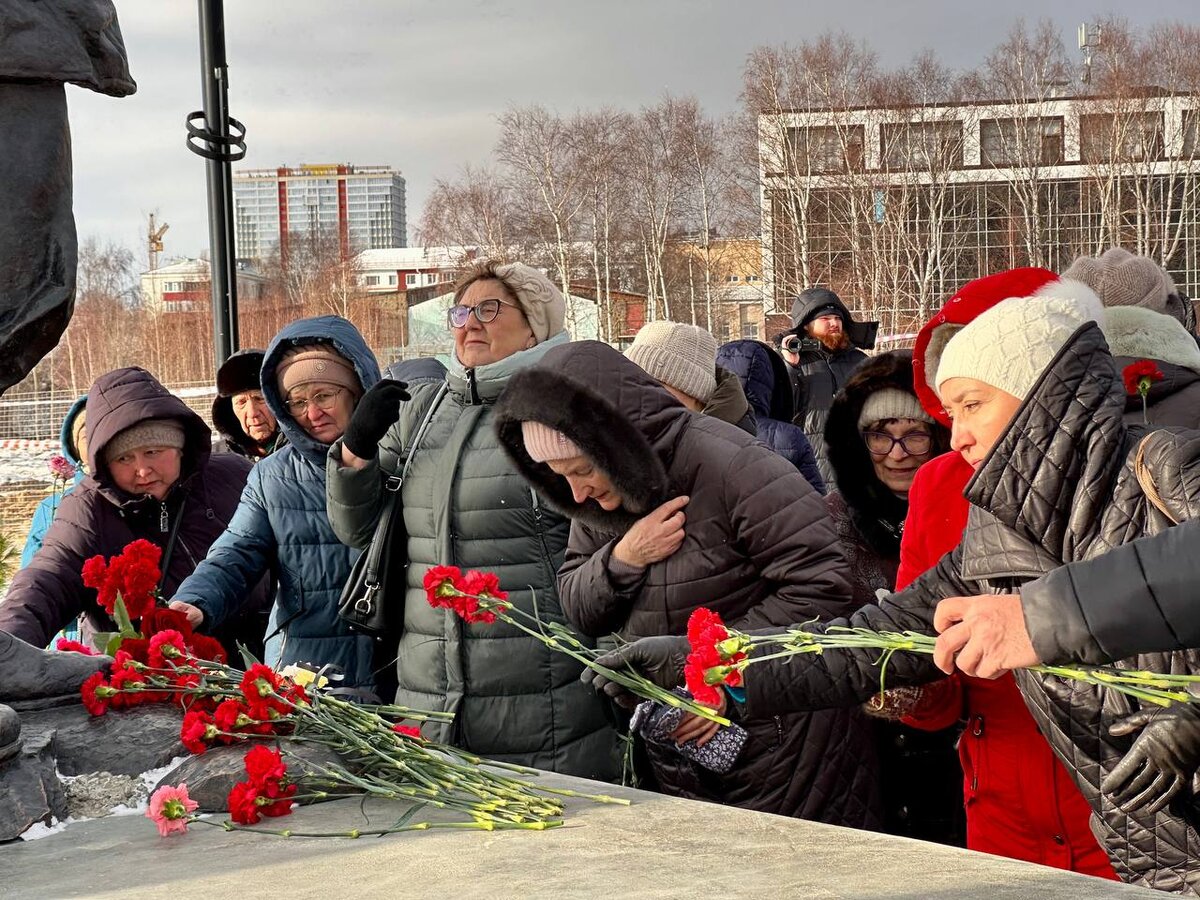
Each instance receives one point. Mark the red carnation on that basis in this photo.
(243, 803)
(228, 715)
(442, 582)
(700, 621)
(701, 690)
(167, 649)
(160, 618)
(96, 694)
(197, 731)
(1139, 375)
(264, 765)
(66, 645)
(205, 647)
(280, 800)
(411, 731)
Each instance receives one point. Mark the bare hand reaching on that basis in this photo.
(655, 536)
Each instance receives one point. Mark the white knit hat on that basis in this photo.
(1009, 345)
(544, 443)
(892, 403)
(681, 356)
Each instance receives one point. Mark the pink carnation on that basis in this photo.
(170, 808)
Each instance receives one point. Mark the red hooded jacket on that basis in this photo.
(1020, 802)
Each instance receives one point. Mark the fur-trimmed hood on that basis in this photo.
(877, 512)
(623, 419)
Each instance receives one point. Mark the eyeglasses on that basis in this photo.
(323, 400)
(915, 443)
(485, 311)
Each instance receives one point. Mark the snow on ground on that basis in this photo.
(149, 780)
(18, 465)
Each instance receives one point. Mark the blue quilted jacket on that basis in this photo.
(764, 378)
(281, 524)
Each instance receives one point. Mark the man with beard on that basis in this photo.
(828, 346)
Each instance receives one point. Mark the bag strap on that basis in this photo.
(380, 540)
(1146, 481)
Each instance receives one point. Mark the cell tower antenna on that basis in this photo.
(1090, 40)
(154, 241)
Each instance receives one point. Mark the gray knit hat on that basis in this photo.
(892, 403)
(150, 433)
(681, 356)
(1121, 279)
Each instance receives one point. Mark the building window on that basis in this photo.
(732, 279)
(1029, 141)
(825, 148)
(391, 279)
(1113, 137)
(410, 280)
(752, 278)
(372, 281)
(909, 146)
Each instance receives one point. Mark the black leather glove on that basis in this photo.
(376, 412)
(1161, 761)
(659, 659)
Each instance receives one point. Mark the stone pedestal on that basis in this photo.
(660, 847)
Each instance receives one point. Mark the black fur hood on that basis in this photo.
(878, 513)
(623, 419)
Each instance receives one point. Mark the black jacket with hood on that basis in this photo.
(100, 518)
(822, 372)
(237, 374)
(758, 549)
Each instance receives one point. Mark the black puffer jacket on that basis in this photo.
(822, 373)
(1059, 486)
(758, 549)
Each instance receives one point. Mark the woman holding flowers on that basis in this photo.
(463, 504)
(671, 511)
(1037, 405)
(151, 475)
(314, 372)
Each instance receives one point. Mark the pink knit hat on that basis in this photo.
(544, 444)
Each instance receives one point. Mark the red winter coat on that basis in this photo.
(1020, 801)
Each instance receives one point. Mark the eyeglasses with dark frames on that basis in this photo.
(915, 443)
(485, 311)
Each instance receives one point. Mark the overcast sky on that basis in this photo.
(416, 84)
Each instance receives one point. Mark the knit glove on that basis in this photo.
(1161, 762)
(376, 412)
(659, 658)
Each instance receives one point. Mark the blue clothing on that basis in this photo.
(281, 523)
(48, 508)
(764, 378)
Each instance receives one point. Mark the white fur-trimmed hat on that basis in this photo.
(1009, 345)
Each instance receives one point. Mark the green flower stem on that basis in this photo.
(354, 833)
(631, 681)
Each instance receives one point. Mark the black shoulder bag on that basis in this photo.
(379, 570)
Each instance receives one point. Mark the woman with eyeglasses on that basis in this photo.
(313, 375)
(878, 436)
(465, 505)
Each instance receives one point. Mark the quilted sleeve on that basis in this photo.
(1138, 598)
(845, 677)
(593, 600)
(782, 524)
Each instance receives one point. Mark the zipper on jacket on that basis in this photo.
(164, 518)
(472, 388)
(541, 533)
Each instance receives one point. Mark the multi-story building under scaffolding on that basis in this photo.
(895, 208)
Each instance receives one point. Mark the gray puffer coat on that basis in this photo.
(758, 548)
(513, 698)
(1059, 486)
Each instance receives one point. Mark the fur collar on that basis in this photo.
(624, 421)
